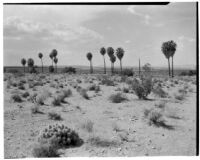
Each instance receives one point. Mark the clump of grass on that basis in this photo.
(107, 81)
(155, 118)
(83, 93)
(117, 98)
(25, 94)
(35, 109)
(88, 125)
(40, 99)
(16, 98)
(21, 87)
(180, 97)
(94, 87)
(161, 104)
(54, 116)
(158, 91)
(45, 150)
(56, 101)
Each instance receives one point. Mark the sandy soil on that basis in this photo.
(122, 127)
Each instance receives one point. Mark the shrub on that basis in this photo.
(56, 101)
(125, 90)
(158, 91)
(155, 118)
(67, 93)
(35, 109)
(54, 116)
(60, 136)
(45, 150)
(180, 96)
(161, 105)
(25, 94)
(16, 98)
(142, 88)
(117, 98)
(21, 87)
(83, 93)
(69, 70)
(94, 87)
(88, 125)
(128, 72)
(40, 99)
(107, 81)
(51, 69)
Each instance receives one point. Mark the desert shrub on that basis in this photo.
(155, 118)
(101, 142)
(21, 87)
(14, 84)
(128, 72)
(51, 69)
(40, 99)
(117, 98)
(94, 87)
(125, 90)
(83, 93)
(78, 81)
(180, 97)
(35, 109)
(16, 98)
(106, 81)
(45, 150)
(25, 94)
(60, 136)
(158, 91)
(142, 88)
(54, 116)
(56, 101)
(161, 104)
(67, 93)
(33, 69)
(182, 91)
(88, 125)
(69, 70)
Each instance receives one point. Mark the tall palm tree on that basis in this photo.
(89, 57)
(172, 49)
(30, 63)
(54, 52)
(103, 52)
(110, 52)
(56, 61)
(40, 55)
(51, 56)
(23, 62)
(120, 54)
(113, 59)
(166, 51)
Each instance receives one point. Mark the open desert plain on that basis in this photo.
(105, 113)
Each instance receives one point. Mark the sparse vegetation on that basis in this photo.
(54, 116)
(16, 98)
(117, 98)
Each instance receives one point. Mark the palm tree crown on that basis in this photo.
(103, 51)
(169, 48)
(23, 62)
(89, 56)
(30, 62)
(54, 52)
(119, 53)
(55, 60)
(40, 55)
(110, 51)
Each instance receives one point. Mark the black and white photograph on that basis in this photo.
(100, 79)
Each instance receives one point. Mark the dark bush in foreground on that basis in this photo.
(188, 73)
(60, 136)
(54, 116)
(128, 72)
(69, 70)
(142, 88)
(16, 98)
(117, 98)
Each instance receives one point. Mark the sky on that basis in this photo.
(75, 30)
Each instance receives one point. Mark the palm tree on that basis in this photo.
(166, 51)
(54, 52)
(103, 52)
(30, 62)
(120, 54)
(40, 55)
(23, 62)
(113, 59)
(110, 52)
(56, 61)
(51, 56)
(172, 49)
(89, 57)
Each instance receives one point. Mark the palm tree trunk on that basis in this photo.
(42, 65)
(56, 67)
(172, 67)
(113, 69)
(104, 65)
(139, 67)
(121, 66)
(90, 66)
(169, 67)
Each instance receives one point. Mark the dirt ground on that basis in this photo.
(122, 127)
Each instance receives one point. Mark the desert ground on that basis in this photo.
(105, 113)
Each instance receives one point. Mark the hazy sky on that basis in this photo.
(76, 30)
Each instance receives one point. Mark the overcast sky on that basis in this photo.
(76, 30)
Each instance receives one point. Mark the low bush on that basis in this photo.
(180, 97)
(60, 136)
(51, 69)
(69, 70)
(158, 91)
(83, 93)
(56, 101)
(106, 81)
(117, 98)
(54, 116)
(35, 109)
(25, 94)
(94, 87)
(128, 72)
(16, 98)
